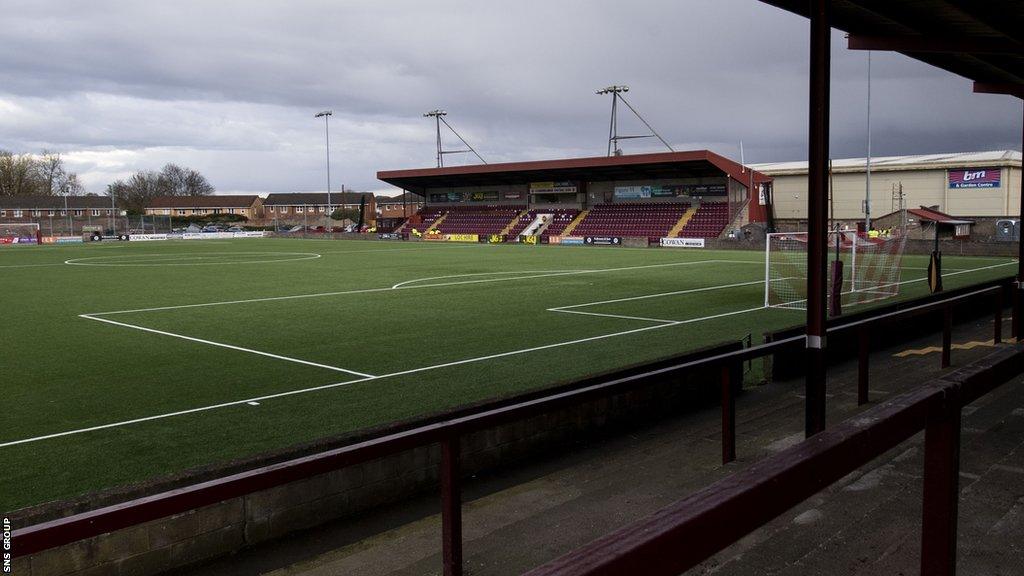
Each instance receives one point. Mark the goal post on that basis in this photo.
(27, 233)
(870, 268)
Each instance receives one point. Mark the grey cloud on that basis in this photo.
(230, 87)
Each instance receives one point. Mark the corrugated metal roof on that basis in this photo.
(932, 215)
(916, 162)
(691, 163)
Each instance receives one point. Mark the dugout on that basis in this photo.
(580, 183)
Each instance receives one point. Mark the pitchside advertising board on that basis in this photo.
(452, 237)
(682, 242)
(96, 236)
(62, 240)
(601, 240)
(975, 178)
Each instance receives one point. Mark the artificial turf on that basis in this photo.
(465, 323)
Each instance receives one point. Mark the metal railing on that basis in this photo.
(683, 534)
(447, 434)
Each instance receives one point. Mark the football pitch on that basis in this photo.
(128, 361)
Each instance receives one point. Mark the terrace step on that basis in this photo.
(436, 222)
(682, 222)
(576, 222)
(513, 223)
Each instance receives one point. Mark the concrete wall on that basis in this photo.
(229, 526)
(921, 187)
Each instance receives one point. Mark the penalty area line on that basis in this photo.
(360, 380)
(228, 346)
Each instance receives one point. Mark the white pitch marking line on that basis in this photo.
(293, 257)
(891, 284)
(438, 285)
(222, 345)
(644, 297)
(29, 265)
(611, 315)
(367, 379)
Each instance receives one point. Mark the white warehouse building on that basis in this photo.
(966, 184)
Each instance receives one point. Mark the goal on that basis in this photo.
(871, 268)
(20, 234)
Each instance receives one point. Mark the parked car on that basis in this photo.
(211, 229)
(235, 229)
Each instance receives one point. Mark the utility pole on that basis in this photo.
(867, 191)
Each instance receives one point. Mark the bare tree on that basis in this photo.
(185, 181)
(18, 175)
(197, 185)
(135, 193)
(70, 185)
(50, 171)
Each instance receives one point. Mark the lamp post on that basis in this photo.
(113, 217)
(326, 114)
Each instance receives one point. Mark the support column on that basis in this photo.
(451, 507)
(1019, 288)
(817, 218)
(941, 493)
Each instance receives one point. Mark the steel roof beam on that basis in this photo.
(918, 43)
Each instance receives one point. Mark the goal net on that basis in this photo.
(20, 234)
(871, 268)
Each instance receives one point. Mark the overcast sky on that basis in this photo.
(230, 88)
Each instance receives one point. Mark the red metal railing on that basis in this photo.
(447, 433)
(691, 530)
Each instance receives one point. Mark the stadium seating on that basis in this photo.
(643, 219)
(426, 217)
(709, 221)
(478, 220)
(650, 219)
(560, 219)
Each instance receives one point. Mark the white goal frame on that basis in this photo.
(854, 278)
(7, 237)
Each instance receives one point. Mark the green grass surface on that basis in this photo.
(467, 323)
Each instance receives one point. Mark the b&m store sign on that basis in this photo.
(975, 178)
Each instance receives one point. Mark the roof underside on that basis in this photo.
(984, 39)
(699, 164)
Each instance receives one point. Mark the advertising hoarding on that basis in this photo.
(975, 178)
(552, 188)
(682, 242)
(601, 240)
